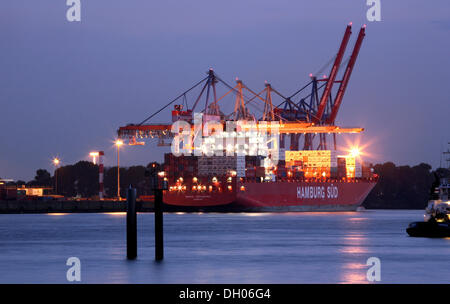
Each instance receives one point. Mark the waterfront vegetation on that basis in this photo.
(403, 187)
(81, 179)
(398, 187)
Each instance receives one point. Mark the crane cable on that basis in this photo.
(181, 95)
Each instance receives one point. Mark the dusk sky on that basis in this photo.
(66, 87)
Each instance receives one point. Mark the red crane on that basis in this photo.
(333, 73)
(317, 117)
(346, 77)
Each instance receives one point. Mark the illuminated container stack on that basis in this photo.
(341, 167)
(353, 166)
(314, 163)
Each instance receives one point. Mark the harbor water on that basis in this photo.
(222, 248)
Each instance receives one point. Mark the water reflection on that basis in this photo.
(358, 219)
(255, 214)
(116, 213)
(354, 250)
(354, 273)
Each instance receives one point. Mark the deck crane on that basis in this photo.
(333, 73)
(346, 77)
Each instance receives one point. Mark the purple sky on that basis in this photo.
(66, 87)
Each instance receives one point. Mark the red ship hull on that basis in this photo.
(202, 199)
(304, 196)
(279, 196)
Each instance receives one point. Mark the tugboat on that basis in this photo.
(437, 214)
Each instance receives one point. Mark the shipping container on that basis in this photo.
(311, 158)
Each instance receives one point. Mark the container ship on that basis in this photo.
(240, 161)
(294, 185)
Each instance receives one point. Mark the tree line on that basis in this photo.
(82, 179)
(403, 187)
(398, 187)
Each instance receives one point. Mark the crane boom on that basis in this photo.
(333, 73)
(347, 74)
(164, 130)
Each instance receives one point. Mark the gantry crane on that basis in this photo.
(311, 116)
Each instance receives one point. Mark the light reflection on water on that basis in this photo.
(256, 214)
(222, 248)
(119, 214)
(353, 250)
(354, 247)
(358, 219)
(351, 276)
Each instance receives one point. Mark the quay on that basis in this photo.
(66, 206)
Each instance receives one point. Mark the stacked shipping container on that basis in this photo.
(181, 166)
(218, 165)
(314, 163)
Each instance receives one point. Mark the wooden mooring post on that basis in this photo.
(131, 224)
(159, 241)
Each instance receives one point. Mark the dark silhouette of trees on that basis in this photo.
(110, 181)
(42, 178)
(80, 179)
(152, 174)
(138, 177)
(20, 183)
(402, 187)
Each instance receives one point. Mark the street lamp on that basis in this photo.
(94, 156)
(56, 162)
(118, 144)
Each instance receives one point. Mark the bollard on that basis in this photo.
(131, 224)
(159, 242)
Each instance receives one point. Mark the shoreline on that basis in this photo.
(85, 206)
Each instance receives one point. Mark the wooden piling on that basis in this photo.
(159, 242)
(131, 224)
